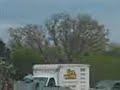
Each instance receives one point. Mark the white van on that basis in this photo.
(74, 76)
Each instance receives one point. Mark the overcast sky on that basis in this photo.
(20, 12)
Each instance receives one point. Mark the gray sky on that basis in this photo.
(19, 12)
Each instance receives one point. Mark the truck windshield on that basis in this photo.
(41, 80)
(51, 82)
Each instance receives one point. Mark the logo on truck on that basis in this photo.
(70, 74)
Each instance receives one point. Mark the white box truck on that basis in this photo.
(74, 76)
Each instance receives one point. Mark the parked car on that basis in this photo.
(108, 85)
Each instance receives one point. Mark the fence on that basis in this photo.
(20, 85)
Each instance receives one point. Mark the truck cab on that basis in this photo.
(45, 81)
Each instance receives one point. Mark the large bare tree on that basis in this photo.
(81, 34)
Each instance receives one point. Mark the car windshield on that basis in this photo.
(116, 86)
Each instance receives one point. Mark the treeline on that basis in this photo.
(62, 39)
